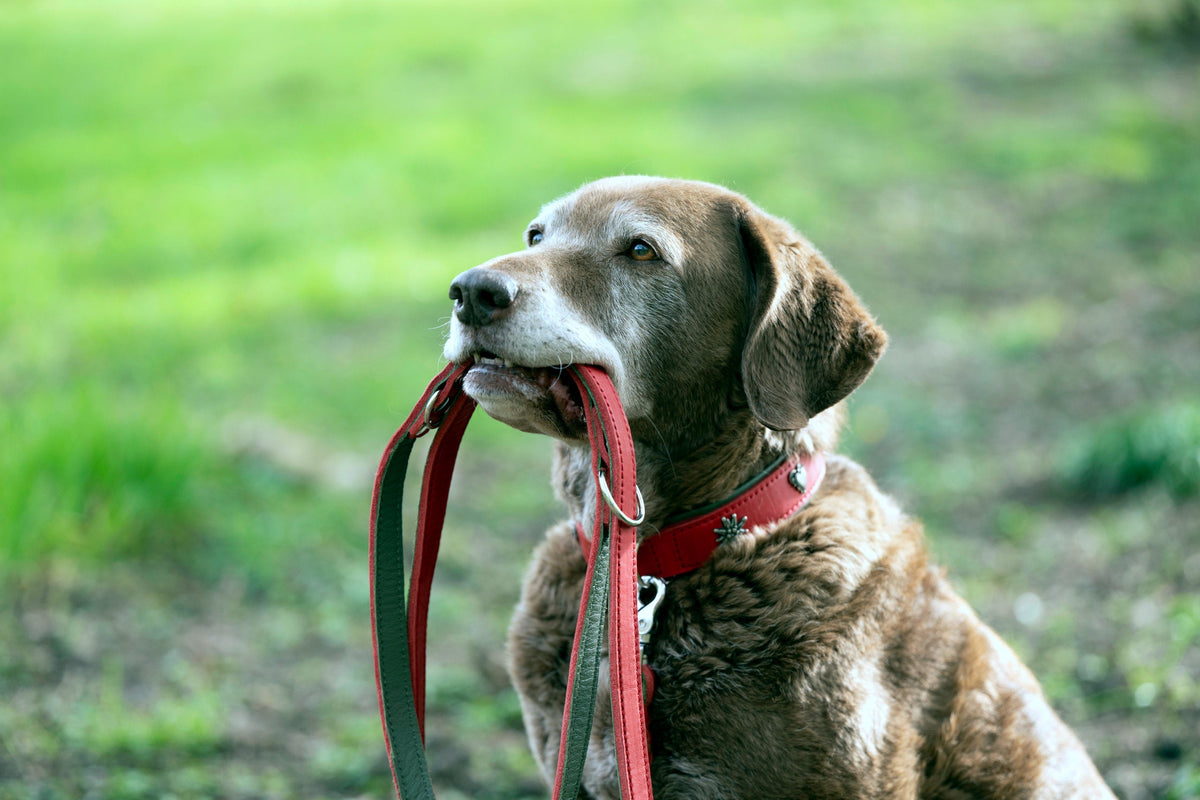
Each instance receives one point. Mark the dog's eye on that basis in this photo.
(640, 251)
(535, 237)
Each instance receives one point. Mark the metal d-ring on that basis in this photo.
(429, 407)
(612, 504)
(426, 423)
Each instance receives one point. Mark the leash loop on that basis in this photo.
(612, 504)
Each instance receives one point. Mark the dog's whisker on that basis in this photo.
(666, 450)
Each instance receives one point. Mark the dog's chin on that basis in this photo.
(535, 400)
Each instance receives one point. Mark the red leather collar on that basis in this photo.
(686, 542)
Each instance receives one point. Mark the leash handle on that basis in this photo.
(389, 624)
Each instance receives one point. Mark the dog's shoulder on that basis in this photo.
(809, 583)
(848, 541)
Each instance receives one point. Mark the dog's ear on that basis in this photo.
(810, 342)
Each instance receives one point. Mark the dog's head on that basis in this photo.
(701, 307)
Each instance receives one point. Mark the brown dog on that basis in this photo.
(822, 657)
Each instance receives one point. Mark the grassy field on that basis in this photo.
(226, 233)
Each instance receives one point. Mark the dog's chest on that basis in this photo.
(749, 700)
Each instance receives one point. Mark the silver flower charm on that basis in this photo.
(798, 478)
(731, 528)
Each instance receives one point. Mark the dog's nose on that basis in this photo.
(481, 296)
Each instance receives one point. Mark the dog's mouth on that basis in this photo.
(511, 391)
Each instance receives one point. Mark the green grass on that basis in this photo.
(86, 475)
(1151, 447)
(227, 229)
(113, 730)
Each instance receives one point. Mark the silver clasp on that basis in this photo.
(654, 589)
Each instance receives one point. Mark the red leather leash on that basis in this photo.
(399, 628)
(609, 433)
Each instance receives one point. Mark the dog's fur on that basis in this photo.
(821, 658)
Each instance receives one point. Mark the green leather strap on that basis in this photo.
(581, 692)
(409, 770)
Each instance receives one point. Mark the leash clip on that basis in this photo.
(648, 610)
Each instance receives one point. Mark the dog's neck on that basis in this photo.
(676, 479)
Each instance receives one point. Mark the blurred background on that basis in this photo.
(226, 235)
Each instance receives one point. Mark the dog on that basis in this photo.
(821, 656)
